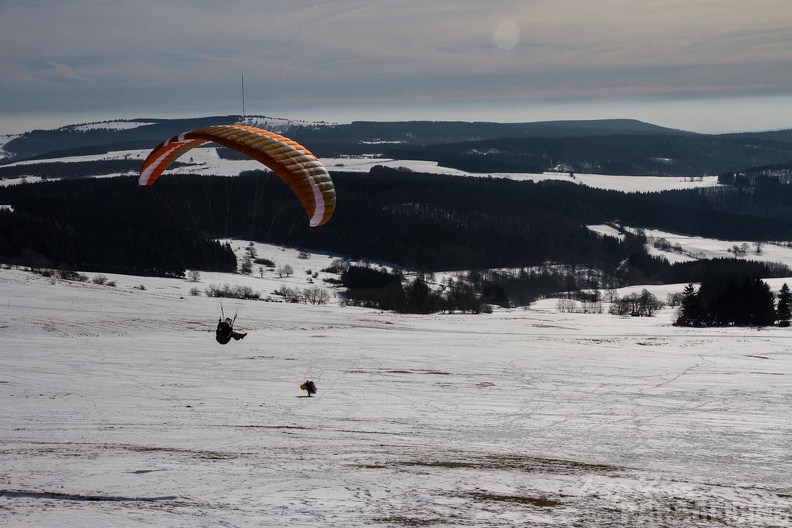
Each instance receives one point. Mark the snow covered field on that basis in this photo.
(120, 409)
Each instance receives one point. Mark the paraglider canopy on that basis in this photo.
(293, 163)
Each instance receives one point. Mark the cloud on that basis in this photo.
(340, 52)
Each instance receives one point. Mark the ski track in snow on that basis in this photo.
(120, 409)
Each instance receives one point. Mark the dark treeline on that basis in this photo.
(715, 270)
(761, 214)
(382, 289)
(757, 213)
(418, 221)
(662, 154)
(92, 150)
(76, 169)
(102, 225)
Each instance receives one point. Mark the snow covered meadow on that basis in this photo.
(120, 409)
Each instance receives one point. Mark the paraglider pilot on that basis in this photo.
(225, 331)
(309, 386)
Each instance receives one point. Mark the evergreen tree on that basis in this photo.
(742, 304)
(419, 297)
(692, 312)
(495, 293)
(762, 306)
(784, 308)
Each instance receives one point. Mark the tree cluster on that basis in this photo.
(386, 290)
(65, 170)
(643, 304)
(768, 175)
(232, 292)
(731, 301)
(310, 295)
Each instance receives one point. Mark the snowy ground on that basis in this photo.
(120, 409)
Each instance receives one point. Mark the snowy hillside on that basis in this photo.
(685, 248)
(278, 125)
(107, 125)
(120, 409)
(5, 138)
(206, 161)
(275, 124)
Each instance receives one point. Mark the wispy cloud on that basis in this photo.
(342, 52)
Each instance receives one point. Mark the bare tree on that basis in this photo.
(247, 266)
(611, 294)
(290, 295)
(316, 295)
(284, 270)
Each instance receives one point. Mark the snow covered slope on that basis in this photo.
(120, 409)
(685, 248)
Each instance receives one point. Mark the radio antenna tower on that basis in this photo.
(243, 96)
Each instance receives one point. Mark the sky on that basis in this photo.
(701, 65)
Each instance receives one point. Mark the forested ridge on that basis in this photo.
(609, 146)
(634, 154)
(418, 221)
(325, 139)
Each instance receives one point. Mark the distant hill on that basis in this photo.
(428, 132)
(609, 146)
(146, 133)
(773, 135)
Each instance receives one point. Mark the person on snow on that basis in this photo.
(309, 386)
(225, 331)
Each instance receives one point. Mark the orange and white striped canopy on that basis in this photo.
(293, 163)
